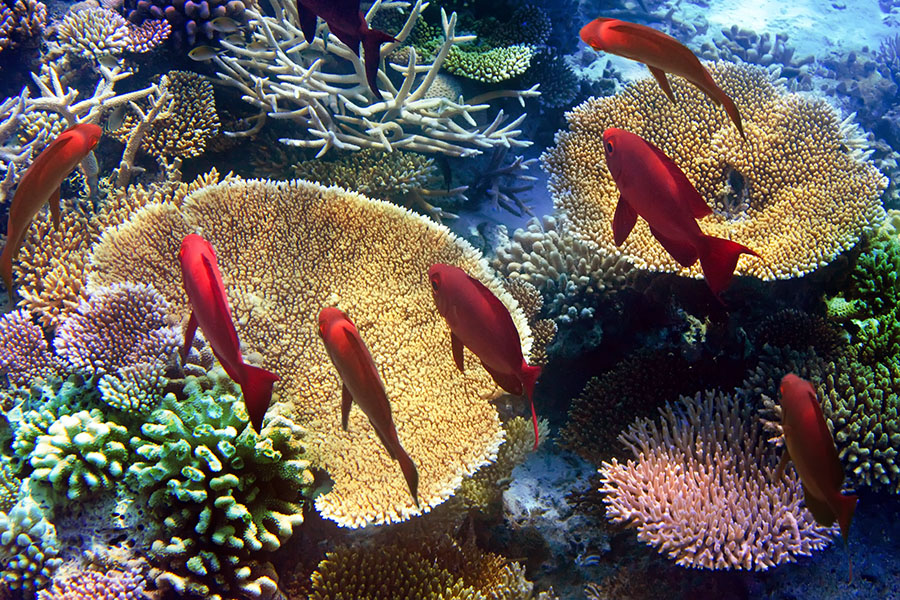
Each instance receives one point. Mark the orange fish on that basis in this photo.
(481, 323)
(40, 184)
(652, 186)
(661, 53)
(811, 448)
(210, 311)
(361, 382)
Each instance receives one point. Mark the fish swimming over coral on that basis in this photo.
(651, 185)
(661, 53)
(362, 383)
(40, 184)
(810, 446)
(210, 311)
(348, 24)
(480, 322)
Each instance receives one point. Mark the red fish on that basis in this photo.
(652, 186)
(349, 25)
(811, 448)
(661, 53)
(361, 382)
(40, 184)
(210, 310)
(481, 323)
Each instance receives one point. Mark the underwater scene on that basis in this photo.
(449, 299)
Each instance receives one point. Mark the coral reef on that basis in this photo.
(191, 21)
(186, 125)
(24, 355)
(428, 571)
(94, 33)
(219, 492)
(370, 259)
(75, 583)
(701, 487)
(798, 191)
(21, 23)
(738, 44)
(492, 65)
(336, 109)
(28, 546)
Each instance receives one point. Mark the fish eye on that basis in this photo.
(609, 147)
(434, 284)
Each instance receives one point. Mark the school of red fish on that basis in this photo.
(650, 184)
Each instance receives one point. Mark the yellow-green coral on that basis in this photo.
(491, 65)
(798, 190)
(325, 247)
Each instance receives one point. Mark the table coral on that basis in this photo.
(798, 191)
(702, 488)
(286, 250)
(219, 492)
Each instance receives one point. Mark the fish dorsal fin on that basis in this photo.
(218, 293)
(652, 36)
(698, 207)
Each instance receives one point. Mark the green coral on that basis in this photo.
(80, 454)
(28, 546)
(488, 64)
(219, 491)
(9, 485)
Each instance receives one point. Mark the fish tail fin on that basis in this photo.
(733, 113)
(530, 375)
(257, 389)
(6, 269)
(371, 42)
(409, 472)
(718, 258)
(845, 506)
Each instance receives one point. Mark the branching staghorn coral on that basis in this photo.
(799, 191)
(702, 488)
(289, 79)
(15, 155)
(370, 258)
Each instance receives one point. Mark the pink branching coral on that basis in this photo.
(90, 584)
(118, 326)
(702, 489)
(148, 35)
(23, 350)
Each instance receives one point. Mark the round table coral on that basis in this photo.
(798, 190)
(288, 249)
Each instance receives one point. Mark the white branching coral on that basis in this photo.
(282, 75)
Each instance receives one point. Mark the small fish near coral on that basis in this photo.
(481, 323)
(651, 185)
(203, 53)
(348, 24)
(810, 445)
(661, 53)
(361, 382)
(210, 311)
(40, 184)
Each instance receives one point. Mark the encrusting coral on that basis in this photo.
(219, 492)
(702, 488)
(798, 190)
(369, 258)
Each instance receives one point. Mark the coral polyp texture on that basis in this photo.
(29, 550)
(21, 22)
(702, 489)
(439, 571)
(72, 583)
(798, 191)
(286, 250)
(219, 492)
(191, 22)
(92, 33)
(24, 355)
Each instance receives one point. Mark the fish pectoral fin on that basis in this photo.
(54, 208)
(222, 309)
(189, 337)
(684, 252)
(819, 509)
(623, 221)
(384, 442)
(346, 401)
(457, 347)
(663, 82)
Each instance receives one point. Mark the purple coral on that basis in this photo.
(24, 354)
(148, 35)
(191, 21)
(121, 325)
(89, 584)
